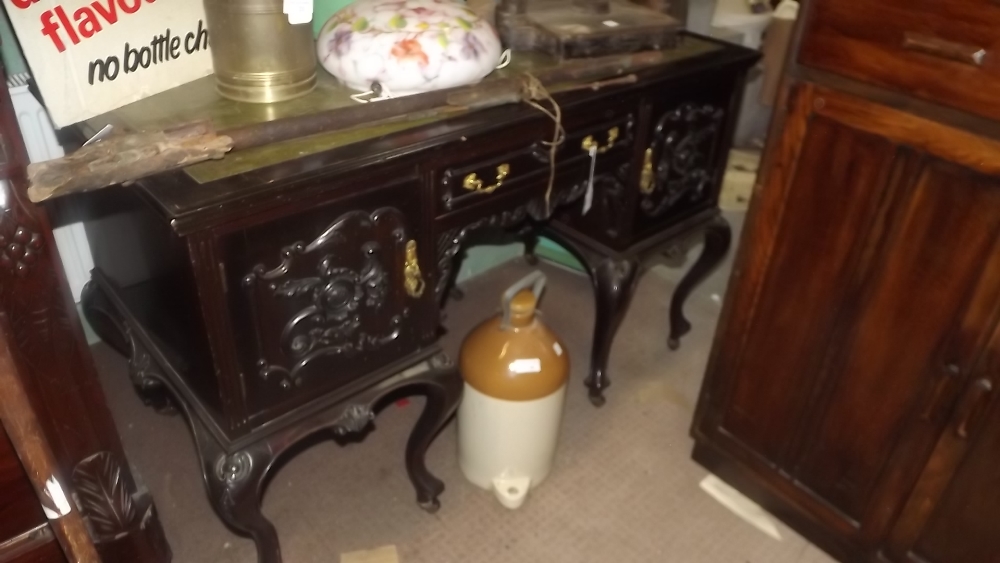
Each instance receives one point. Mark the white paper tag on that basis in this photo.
(526, 365)
(60, 504)
(588, 198)
(298, 11)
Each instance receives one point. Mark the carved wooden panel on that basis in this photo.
(681, 162)
(330, 304)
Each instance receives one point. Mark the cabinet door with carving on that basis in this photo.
(684, 157)
(325, 295)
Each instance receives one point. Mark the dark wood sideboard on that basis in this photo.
(281, 299)
(852, 387)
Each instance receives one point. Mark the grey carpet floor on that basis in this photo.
(623, 489)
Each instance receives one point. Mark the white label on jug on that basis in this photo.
(526, 365)
(557, 348)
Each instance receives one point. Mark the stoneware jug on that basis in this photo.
(407, 46)
(515, 371)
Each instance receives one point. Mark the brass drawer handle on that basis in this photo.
(646, 177)
(413, 280)
(928, 45)
(590, 143)
(473, 183)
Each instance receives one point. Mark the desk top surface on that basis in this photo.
(182, 192)
(199, 100)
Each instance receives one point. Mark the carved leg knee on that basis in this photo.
(233, 482)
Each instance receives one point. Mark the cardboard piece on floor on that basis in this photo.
(740, 505)
(384, 554)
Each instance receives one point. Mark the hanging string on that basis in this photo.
(377, 93)
(532, 90)
(505, 59)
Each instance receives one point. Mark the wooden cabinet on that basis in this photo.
(855, 322)
(291, 292)
(851, 386)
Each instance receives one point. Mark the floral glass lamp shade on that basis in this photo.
(407, 46)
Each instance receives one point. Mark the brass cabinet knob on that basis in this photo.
(413, 280)
(590, 143)
(473, 183)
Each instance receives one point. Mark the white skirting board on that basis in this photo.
(40, 140)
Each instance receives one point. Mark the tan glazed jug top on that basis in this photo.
(514, 356)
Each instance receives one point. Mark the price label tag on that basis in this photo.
(588, 198)
(298, 11)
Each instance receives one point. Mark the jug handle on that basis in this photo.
(535, 280)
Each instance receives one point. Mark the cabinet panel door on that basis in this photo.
(684, 159)
(953, 515)
(938, 243)
(964, 525)
(862, 297)
(320, 297)
(833, 198)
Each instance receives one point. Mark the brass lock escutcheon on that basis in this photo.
(413, 280)
(590, 143)
(646, 177)
(473, 183)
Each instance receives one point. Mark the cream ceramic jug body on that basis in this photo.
(515, 372)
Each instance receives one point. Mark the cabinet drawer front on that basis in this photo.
(325, 296)
(944, 52)
(471, 171)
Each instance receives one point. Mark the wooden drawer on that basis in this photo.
(317, 295)
(942, 51)
(519, 158)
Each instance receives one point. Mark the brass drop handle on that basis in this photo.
(413, 281)
(473, 183)
(646, 176)
(974, 400)
(930, 45)
(590, 143)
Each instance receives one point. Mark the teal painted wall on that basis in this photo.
(10, 51)
(482, 257)
(323, 9)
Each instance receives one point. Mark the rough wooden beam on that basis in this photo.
(124, 158)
